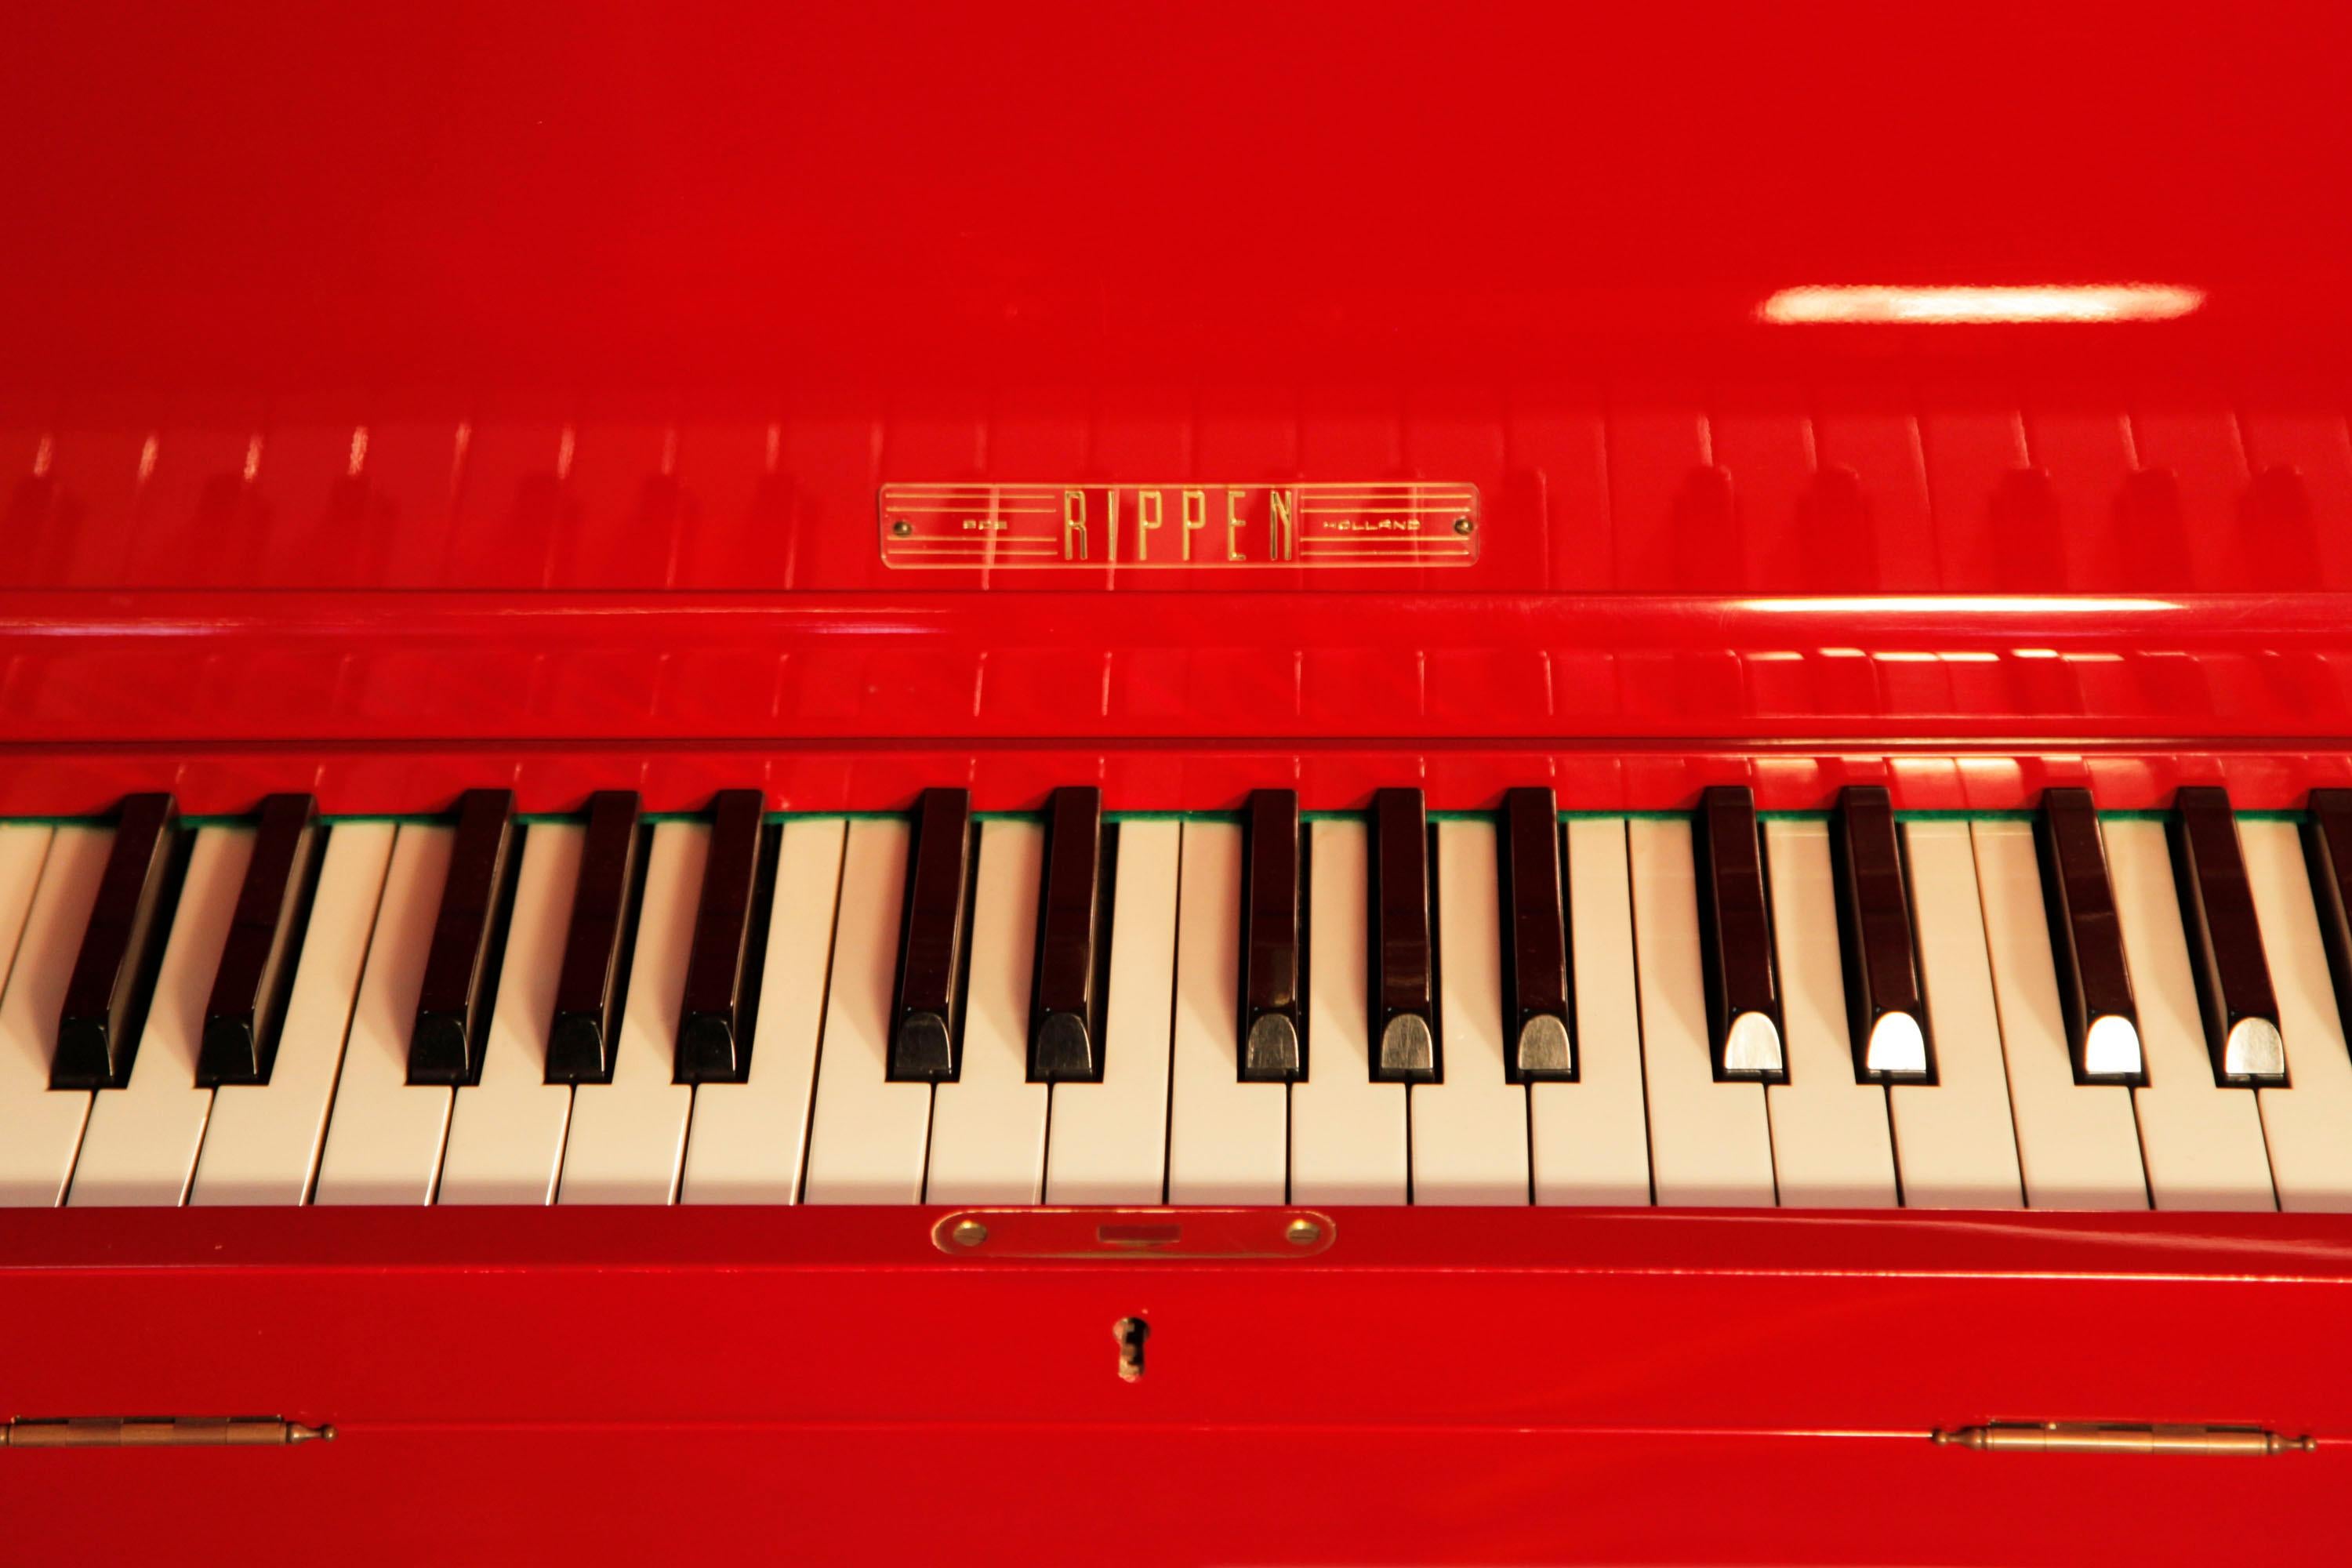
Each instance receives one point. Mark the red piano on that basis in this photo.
(1236, 785)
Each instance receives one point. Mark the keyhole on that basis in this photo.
(1130, 1332)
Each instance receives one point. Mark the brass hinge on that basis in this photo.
(2120, 1437)
(157, 1432)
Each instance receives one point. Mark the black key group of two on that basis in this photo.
(1888, 1017)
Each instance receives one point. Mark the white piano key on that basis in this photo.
(262, 1144)
(507, 1132)
(1347, 1133)
(2202, 1144)
(1830, 1144)
(1954, 1143)
(1108, 1143)
(988, 1128)
(747, 1139)
(868, 1136)
(2078, 1144)
(1590, 1139)
(1709, 1142)
(40, 1127)
(139, 1148)
(1228, 1142)
(1469, 1130)
(384, 1135)
(628, 1139)
(24, 850)
(2307, 1124)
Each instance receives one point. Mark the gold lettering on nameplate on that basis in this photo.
(1147, 523)
(1324, 522)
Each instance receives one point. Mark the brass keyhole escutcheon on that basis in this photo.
(1130, 1332)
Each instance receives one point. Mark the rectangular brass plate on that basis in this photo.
(1143, 1233)
(1378, 523)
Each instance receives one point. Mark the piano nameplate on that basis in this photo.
(1034, 1232)
(1378, 523)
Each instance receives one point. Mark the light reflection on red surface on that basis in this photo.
(1914, 605)
(1881, 304)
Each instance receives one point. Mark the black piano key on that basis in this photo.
(925, 1045)
(264, 944)
(1888, 1018)
(2086, 942)
(1735, 926)
(1537, 1003)
(1065, 1013)
(1403, 958)
(2327, 844)
(581, 1041)
(2225, 944)
(714, 1025)
(1274, 1027)
(114, 973)
(755, 948)
(452, 1011)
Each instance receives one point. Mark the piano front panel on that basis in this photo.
(476, 1403)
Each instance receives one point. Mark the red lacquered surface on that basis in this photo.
(1602, 776)
(1014, 1493)
(528, 385)
(395, 701)
(399, 401)
(1560, 1385)
(1221, 199)
(1681, 1322)
(1054, 665)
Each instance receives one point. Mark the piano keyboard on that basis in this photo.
(1843, 1011)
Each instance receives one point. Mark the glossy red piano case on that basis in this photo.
(398, 401)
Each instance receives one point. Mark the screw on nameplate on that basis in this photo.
(989, 1235)
(1130, 1332)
